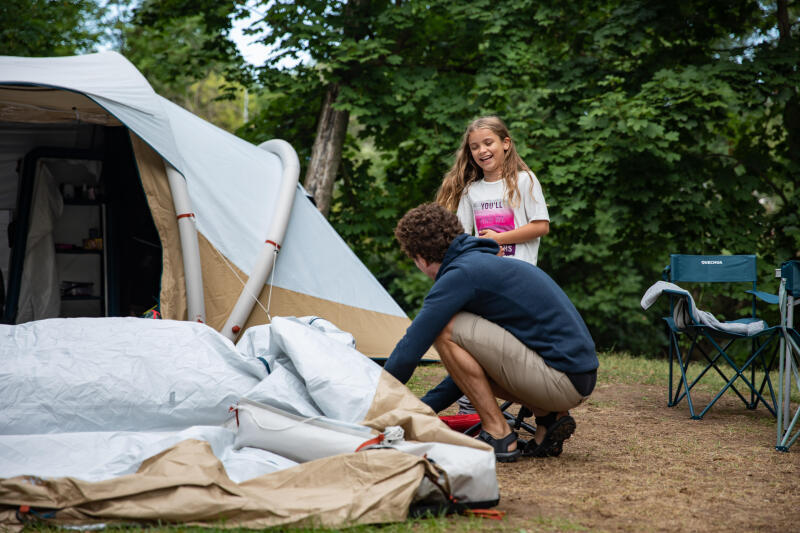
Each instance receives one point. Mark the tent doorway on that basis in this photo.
(81, 239)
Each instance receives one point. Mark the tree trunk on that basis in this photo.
(784, 25)
(791, 113)
(326, 153)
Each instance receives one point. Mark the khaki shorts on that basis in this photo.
(513, 366)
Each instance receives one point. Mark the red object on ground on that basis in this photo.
(461, 423)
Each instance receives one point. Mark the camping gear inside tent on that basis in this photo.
(122, 419)
(116, 200)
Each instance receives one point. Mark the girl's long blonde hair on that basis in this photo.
(466, 171)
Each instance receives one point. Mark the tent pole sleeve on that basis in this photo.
(190, 249)
(272, 245)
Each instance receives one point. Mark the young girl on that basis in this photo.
(494, 192)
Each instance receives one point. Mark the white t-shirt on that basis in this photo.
(484, 205)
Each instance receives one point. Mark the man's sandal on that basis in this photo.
(500, 446)
(558, 430)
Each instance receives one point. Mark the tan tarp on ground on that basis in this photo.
(395, 405)
(187, 484)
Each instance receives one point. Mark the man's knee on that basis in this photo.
(445, 336)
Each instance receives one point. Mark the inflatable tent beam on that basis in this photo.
(190, 249)
(272, 245)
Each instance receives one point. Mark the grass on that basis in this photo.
(625, 368)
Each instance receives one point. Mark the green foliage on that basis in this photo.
(47, 28)
(180, 58)
(182, 40)
(291, 116)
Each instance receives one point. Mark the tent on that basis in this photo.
(116, 200)
(123, 419)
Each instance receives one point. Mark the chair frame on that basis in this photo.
(696, 332)
(789, 297)
(515, 421)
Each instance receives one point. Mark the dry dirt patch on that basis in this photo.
(635, 464)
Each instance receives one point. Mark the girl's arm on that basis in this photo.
(530, 231)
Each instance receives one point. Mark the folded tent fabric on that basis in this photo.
(187, 475)
(358, 392)
(103, 455)
(118, 374)
(374, 486)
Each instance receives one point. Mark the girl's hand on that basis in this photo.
(488, 234)
(531, 230)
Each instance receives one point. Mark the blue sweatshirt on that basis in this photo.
(513, 294)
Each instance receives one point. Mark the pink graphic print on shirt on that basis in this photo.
(496, 217)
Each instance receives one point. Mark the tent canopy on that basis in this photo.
(232, 186)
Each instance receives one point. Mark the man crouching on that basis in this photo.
(502, 328)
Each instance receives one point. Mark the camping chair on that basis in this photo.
(789, 297)
(718, 269)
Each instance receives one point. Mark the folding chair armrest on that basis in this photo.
(764, 296)
(679, 294)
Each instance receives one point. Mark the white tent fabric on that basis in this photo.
(314, 260)
(93, 398)
(98, 456)
(118, 374)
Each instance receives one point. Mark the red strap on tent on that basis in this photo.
(273, 243)
(236, 413)
(491, 514)
(370, 442)
(185, 215)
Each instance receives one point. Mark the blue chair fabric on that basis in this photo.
(687, 343)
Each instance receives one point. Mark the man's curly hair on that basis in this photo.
(427, 231)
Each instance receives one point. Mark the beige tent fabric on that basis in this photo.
(46, 105)
(188, 484)
(376, 333)
(395, 405)
(153, 175)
